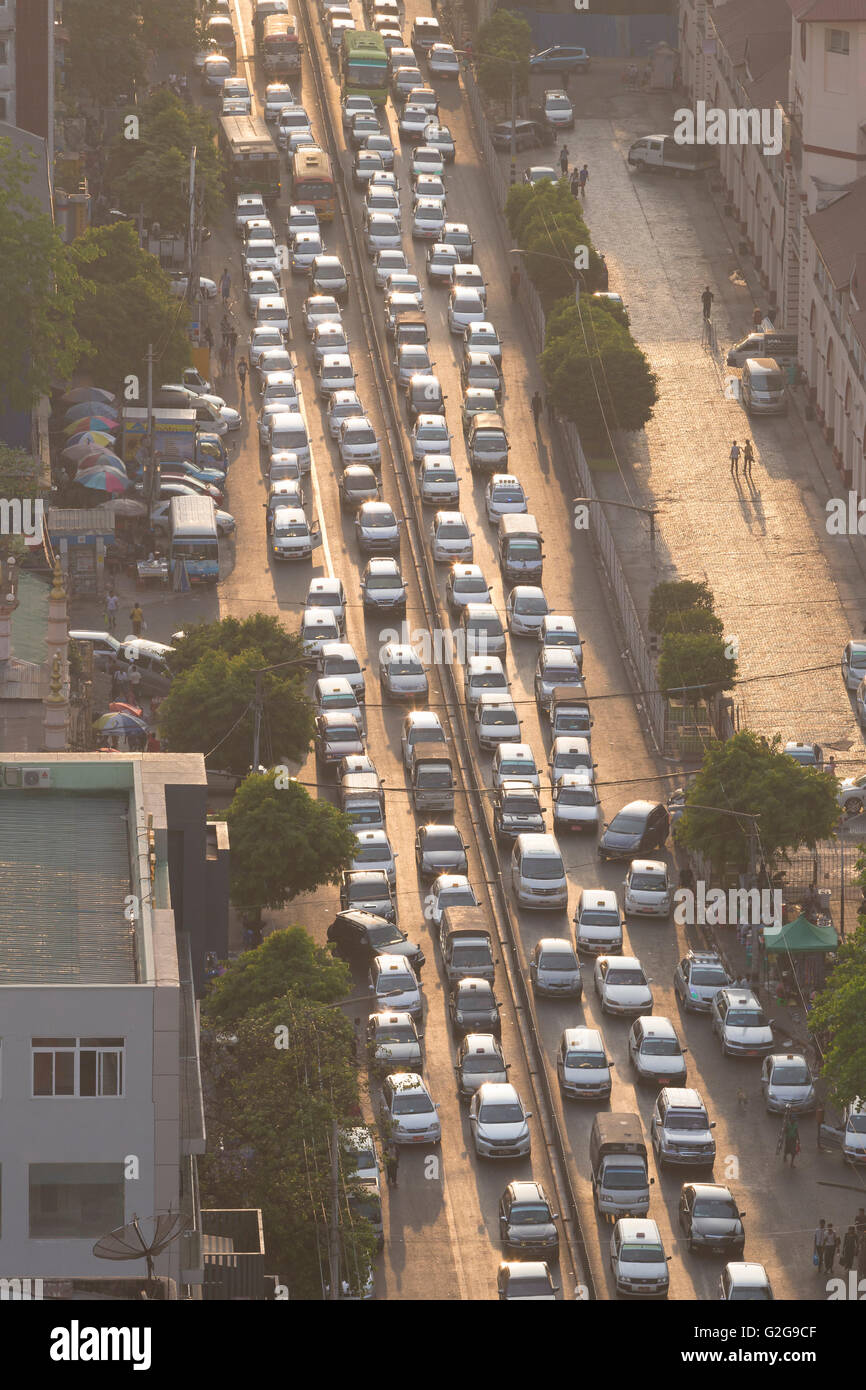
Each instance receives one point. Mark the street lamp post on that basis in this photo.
(258, 699)
(651, 512)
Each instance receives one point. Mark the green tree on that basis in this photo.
(104, 56)
(153, 171)
(38, 290)
(673, 596)
(275, 1096)
(839, 1016)
(504, 44)
(283, 842)
(168, 24)
(125, 304)
(210, 709)
(546, 221)
(231, 636)
(287, 962)
(594, 372)
(19, 478)
(693, 620)
(695, 663)
(795, 805)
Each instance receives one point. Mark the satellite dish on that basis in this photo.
(143, 1238)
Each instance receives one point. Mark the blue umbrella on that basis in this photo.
(85, 408)
(119, 723)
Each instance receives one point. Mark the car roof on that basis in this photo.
(497, 1092)
(747, 1272)
(639, 1228)
(599, 897)
(743, 998)
(648, 866)
(683, 1098)
(582, 1039)
(523, 1191)
(709, 1189)
(655, 1026)
(626, 962)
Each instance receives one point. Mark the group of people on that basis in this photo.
(747, 454)
(579, 176)
(850, 1248)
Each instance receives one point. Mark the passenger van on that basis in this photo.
(425, 32)
(219, 32)
(538, 873)
(780, 346)
(763, 387)
(287, 431)
(362, 798)
(520, 554)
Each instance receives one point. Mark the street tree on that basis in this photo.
(504, 46)
(231, 636)
(39, 289)
(838, 1017)
(284, 842)
(674, 596)
(695, 664)
(125, 304)
(547, 223)
(210, 709)
(19, 478)
(693, 620)
(152, 172)
(288, 962)
(595, 374)
(168, 24)
(104, 55)
(794, 805)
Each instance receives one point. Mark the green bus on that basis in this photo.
(365, 65)
(252, 159)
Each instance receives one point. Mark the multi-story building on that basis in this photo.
(27, 67)
(112, 889)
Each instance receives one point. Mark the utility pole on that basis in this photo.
(513, 124)
(578, 254)
(192, 248)
(257, 717)
(150, 480)
(334, 1229)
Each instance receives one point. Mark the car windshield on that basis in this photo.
(536, 866)
(720, 1208)
(497, 719)
(478, 1002)
(521, 806)
(506, 1113)
(571, 759)
(394, 982)
(371, 854)
(625, 1178)
(482, 1065)
(747, 1018)
(347, 733)
(395, 1033)
(438, 839)
(471, 955)
(628, 825)
(439, 475)
(599, 917)
(532, 607)
(576, 796)
(677, 1120)
(384, 935)
(452, 530)
(417, 1104)
(586, 1061)
(709, 975)
(856, 1124)
(435, 776)
(660, 1047)
(405, 668)
(360, 436)
(457, 897)
(557, 960)
(489, 442)
(529, 1214)
(791, 1076)
(649, 883)
(383, 581)
(625, 977)
(378, 519)
(642, 1254)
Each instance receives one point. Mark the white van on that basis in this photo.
(273, 312)
(538, 873)
(287, 432)
(780, 346)
(763, 388)
(598, 922)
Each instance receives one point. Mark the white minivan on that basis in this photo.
(538, 872)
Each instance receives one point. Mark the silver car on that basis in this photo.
(408, 1112)
(525, 609)
(388, 259)
(554, 968)
(358, 442)
(303, 250)
(329, 335)
(430, 435)
(377, 529)
(786, 1083)
(479, 1060)
(343, 405)
(402, 673)
(374, 852)
(498, 1122)
(320, 308)
(393, 1041)
(438, 480)
(451, 538)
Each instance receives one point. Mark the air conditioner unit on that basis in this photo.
(34, 777)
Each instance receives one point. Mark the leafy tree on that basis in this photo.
(274, 1101)
(233, 636)
(839, 1016)
(210, 709)
(504, 44)
(695, 663)
(19, 477)
(693, 620)
(673, 596)
(38, 290)
(104, 56)
(125, 304)
(283, 842)
(595, 373)
(168, 23)
(153, 171)
(795, 805)
(287, 962)
(546, 221)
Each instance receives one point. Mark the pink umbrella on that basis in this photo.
(104, 480)
(95, 422)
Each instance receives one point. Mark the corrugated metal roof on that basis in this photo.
(64, 875)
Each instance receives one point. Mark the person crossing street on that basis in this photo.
(563, 160)
(537, 405)
(748, 458)
(583, 179)
(707, 301)
(735, 459)
(242, 374)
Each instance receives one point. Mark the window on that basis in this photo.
(3, 102)
(78, 1066)
(803, 42)
(4, 53)
(72, 1201)
(837, 41)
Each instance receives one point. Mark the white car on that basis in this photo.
(854, 664)
(428, 219)
(405, 282)
(465, 306)
(340, 659)
(430, 435)
(329, 335)
(655, 1051)
(525, 609)
(259, 284)
(558, 110)
(381, 198)
(560, 630)
(408, 1112)
(514, 762)
(325, 592)
(467, 276)
(303, 249)
(248, 206)
(428, 186)
(482, 337)
(394, 985)
(382, 232)
(291, 120)
(575, 802)
(638, 1260)
(556, 667)
(355, 105)
(569, 753)
(383, 589)
(622, 986)
(343, 405)
(278, 95)
(466, 584)
(786, 1081)
(402, 673)
(481, 675)
(439, 138)
(336, 373)
(318, 625)
(503, 496)
(410, 358)
(648, 891)
(276, 361)
(442, 61)
(413, 119)
(421, 726)
(320, 308)
(427, 159)
(496, 721)
(374, 852)
(302, 218)
(387, 260)
(358, 442)
(448, 890)
(438, 480)
(498, 1122)
(451, 538)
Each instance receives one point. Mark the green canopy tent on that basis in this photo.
(803, 946)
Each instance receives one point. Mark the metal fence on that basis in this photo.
(832, 868)
(637, 652)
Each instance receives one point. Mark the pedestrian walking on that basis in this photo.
(860, 1221)
(603, 275)
(848, 1253)
(831, 1245)
(583, 179)
(748, 458)
(136, 617)
(757, 317)
(111, 605)
(742, 1099)
(391, 1163)
(818, 1244)
(233, 342)
(790, 1137)
(537, 405)
(735, 458)
(831, 765)
(133, 681)
(575, 183)
(224, 358)
(208, 336)
(563, 160)
(515, 281)
(225, 284)
(242, 374)
(707, 301)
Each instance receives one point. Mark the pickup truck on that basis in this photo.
(618, 1160)
(663, 152)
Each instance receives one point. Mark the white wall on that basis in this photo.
(831, 92)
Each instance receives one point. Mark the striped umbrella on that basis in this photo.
(102, 458)
(93, 422)
(96, 437)
(119, 722)
(87, 393)
(85, 408)
(104, 480)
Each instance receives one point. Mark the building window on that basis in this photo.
(803, 42)
(4, 53)
(75, 1201)
(78, 1066)
(3, 105)
(837, 41)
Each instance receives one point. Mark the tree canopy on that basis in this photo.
(234, 635)
(547, 223)
(595, 373)
(283, 842)
(287, 962)
(504, 44)
(795, 805)
(674, 596)
(105, 54)
(152, 172)
(39, 290)
(125, 304)
(839, 1016)
(695, 664)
